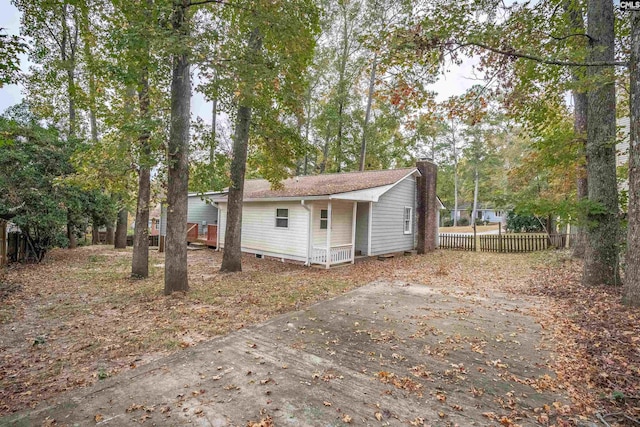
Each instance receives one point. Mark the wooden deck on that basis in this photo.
(210, 238)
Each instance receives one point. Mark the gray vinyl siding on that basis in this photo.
(387, 231)
(362, 227)
(199, 210)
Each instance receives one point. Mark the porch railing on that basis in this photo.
(338, 254)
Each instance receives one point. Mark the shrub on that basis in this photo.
(463, 222)
(523, 223)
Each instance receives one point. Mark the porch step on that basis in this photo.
(385, 257)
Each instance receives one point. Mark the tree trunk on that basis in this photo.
(455, 176)
(95, 234)
(110, 237)
(476, 184)
(307, 127)
(175, 272)
(632, 272)
(67, 55)
(325, 149)
(342, 88)
(232, 257)
(580, 104)
(214, 117)
(140, 263)
(71, 234)
(120, 240)
(372, 85)
(601, 254)
(212, 147)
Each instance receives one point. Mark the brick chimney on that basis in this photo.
(427, 206)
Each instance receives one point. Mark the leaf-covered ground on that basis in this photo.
(79, 318)
(597, 342)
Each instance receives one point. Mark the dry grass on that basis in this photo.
(79, 317)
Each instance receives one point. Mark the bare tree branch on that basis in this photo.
(548, 61)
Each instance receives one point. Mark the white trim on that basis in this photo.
(206, 193)
(372, 194)
(219, 244)
(223, 199)
(281, 217)
(309, 231)
(329, 214)
(404, 220)
(369, 226)
(324, 219)
(353, 232)
(415, 172)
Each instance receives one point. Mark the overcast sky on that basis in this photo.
(455, 82)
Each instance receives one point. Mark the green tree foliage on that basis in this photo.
(10, 49)
(34, 164)
(524, 223)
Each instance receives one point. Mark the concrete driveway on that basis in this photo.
(384, 354)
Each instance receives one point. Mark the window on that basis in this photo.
(324, 219)
(407, 220)
(282, 218)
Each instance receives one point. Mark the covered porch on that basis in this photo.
(333, 226)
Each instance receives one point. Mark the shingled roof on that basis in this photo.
(324, 185)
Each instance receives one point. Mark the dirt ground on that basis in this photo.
(457, 329)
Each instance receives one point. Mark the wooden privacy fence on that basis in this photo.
(153, 240)
(513, 243)
(463, 242)
(505, 243)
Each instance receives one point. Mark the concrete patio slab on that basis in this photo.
(384, 354)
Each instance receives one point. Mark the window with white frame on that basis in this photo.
(408, 219)
(324, 219)
(282, 218)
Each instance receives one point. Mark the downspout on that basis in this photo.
(218, 228)
(309, 231)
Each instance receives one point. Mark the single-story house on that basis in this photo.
(329, 219)
(482, 213)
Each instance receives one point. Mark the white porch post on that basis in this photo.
(310, 232)
(369, 228)
(353, 233)
(328, 260)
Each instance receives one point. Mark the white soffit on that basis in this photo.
(367, 195)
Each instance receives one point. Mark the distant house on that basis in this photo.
(482, 214)
(155, 215)
(329, 219)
